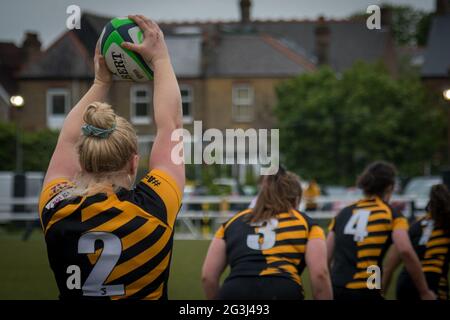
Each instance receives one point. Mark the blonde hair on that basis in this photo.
(279, 193)
(104, 158)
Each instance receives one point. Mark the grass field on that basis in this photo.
(27, 275)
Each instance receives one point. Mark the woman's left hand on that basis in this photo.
(102, 73)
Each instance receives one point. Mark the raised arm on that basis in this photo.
(166, 101)
(64, 162)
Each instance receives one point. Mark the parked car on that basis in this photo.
(419, 188)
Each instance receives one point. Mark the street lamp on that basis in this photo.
(17, 103)
(446, 94)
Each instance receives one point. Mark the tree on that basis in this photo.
(410, 26)
(332, 126)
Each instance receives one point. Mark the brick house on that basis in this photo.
(227, 71)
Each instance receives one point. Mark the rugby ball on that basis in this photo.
(124, 63)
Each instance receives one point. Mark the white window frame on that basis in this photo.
(238, 102)
(56, 121)
(134, 99)
(145, 139)
(190, 99)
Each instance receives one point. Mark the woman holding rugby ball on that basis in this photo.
(106, 239)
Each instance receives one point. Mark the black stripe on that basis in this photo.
(291, 241)
(47, 214)
(379, 221)
(380, 233)
(146, 267)
(108, 29)
(101, 218)
(370, 246)
(288, 255)
(123, 31)
(145, 291)
(147, 199)
(93, 199)
(130, 227)
(365, 206)
(142, 245)
(288, 229)
(378, 211)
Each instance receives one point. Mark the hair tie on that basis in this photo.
(92, 131)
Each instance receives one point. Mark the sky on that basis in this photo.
(48, 17)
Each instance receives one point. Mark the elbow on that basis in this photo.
(320, 276)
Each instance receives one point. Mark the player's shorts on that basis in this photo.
(260, 288)
(406, 290)
(343, 294)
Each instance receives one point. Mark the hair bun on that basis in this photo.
(100, 115)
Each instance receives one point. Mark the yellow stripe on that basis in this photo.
(285, 249)
(140, 259)
(436, 262)
(369, 253)
(136, 236)
(430, 252)
(155, 295)
(357, 285)
(437, 242)
(98, 207)
(114, 223)
(432, 269)
(284, 215)
(145, 280)
(291, 235)
(366, 264)
(379, 227)
(292, 271)
(437, 232)
(361, 275)
(269, 271)
(373, 240)
(379, 216)
(272, 259)
(290, 223)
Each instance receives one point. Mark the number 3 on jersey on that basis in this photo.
(357, 225)
(267, 232)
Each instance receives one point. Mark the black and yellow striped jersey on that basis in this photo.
(275, 247)
(119, 245)
(432, 246)
(363, 233)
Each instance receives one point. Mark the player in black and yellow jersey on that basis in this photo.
(430, 236)
(105, 239)
(361, 234)
(268, 247)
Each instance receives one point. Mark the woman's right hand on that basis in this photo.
(153, 48)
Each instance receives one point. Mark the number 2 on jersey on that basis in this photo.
(357, 225)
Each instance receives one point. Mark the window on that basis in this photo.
(242, 103)
(186, 100)
(140, 99)
(58, 105)
(144, 145)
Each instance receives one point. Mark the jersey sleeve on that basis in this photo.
(52, 189)
(399, 222)
(316, 232)
(220, 233)
(160, 196)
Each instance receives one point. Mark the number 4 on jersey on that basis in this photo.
(357, 225)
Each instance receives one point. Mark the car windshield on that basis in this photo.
(421, 186)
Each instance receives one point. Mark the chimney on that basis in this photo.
(442, 7)
(31, 46)
(386, 17)
(245, 10)
(322, 34)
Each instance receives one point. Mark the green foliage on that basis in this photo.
(410, 26)
(37, 148)
(332, 126)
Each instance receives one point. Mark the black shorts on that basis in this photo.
(406, 290)
(260, 288)
(345, 294)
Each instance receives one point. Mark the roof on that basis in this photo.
(261, 48)
(437, 53)
(255, 55)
